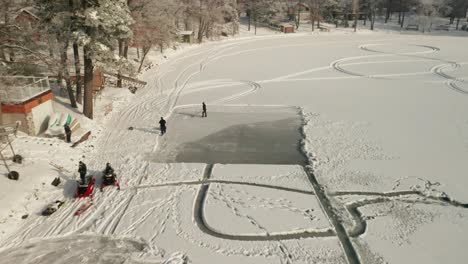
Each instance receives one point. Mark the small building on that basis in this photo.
(26, 15)
(26, 19)
(287, 28)
(28, 100)
(186, 36)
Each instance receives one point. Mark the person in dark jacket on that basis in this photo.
(67, 133)
(204, 110)
(82, 170)
(108, 169)
(162, 126)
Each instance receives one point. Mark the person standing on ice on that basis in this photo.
(67, 132)
(82, 170)
(204, 110)
(162, 126)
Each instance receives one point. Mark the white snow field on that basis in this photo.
(380, 119)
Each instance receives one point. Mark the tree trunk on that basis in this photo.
(372, 19)
(88, 83)
(389, 10)
(125, 51)
(2, 54)
(145, 52)
(76, 55)
(59, 79)
(236, 24)
(12, 55)
(458, 23)
(399, 12)
(201, 25)
(312, 20)
(250, 20)
(298, 19)
(200, 35)
(6, 19)
(66, 73)
(201, 30)
(355, 21)
(138, 52)
(255, 21)
(50, 45)
(121, 48)
(8, 36)
(402, 20)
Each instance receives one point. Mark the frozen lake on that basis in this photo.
(381, 118)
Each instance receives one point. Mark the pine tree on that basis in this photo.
(55, 17)
(99, 26)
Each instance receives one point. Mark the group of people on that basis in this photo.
(162, 126)
(83, 170)
(162, 122)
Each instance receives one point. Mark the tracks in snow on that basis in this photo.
(451, 82)
(198, 213)
(337, 65)
(360, 223)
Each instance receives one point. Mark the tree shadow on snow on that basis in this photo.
(153, 130)
(192, 115)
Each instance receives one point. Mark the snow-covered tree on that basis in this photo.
(316, 9)
(427, 12)
(265, 11)
(155, 24)
(56, 20)
(99, 26)
(213, 13)
(458, 10)
(20, 52)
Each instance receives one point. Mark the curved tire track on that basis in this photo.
(451, 81)
(337, 64)
(360, 224)
(198, 214)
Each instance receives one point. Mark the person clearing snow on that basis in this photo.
(204, 110)
(108, 169)
(67, 133)
(109, 177)
(162, 126)
(82, 170)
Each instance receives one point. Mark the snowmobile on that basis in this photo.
(85, 190)
(109, 178)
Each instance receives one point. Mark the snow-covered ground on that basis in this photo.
(385, 124)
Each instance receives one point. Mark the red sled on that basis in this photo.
(85, 190)
(108, 180)
(83, 208)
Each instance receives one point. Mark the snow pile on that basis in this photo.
(87, 249)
